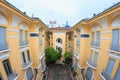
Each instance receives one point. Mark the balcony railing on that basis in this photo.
(115, 47)
(3, 46)
(27, 65)
(40, 42)
(105, 76)
(90, 64)
(29, 74)
(78, 42)
(13, 76)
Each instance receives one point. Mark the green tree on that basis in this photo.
(68, 58)
(51, 56)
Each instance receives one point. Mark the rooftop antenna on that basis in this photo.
(32, 15)
(52, 23)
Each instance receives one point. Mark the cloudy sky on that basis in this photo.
(62, 10)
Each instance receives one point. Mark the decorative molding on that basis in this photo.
(94, 49)
(102, 76)
(34, 32)
(28, 65)
(13, 37)
(6, 55)
(42, 55)
(105, 32)
(105, 38)
(90, 65)
(13, 30)
(77, 56)
(114, 56)
(85, 33)
(24, 49)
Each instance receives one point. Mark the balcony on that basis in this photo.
(27, 65)
(105, 76)
(40, 42)
(78, 43)
(90, 64)
(3, 47)
(114, 50)
(29, 74)
(13, 76)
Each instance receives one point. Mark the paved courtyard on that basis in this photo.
(58, 72)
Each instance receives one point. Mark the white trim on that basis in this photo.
(113, 51)
(80, 67)
(102, 76)
(105, 32)
(93, 46)
(97, 50)
(34, 32)
(90, 65)
(28, 65)
(85, 33)
(13, 30)
(16, 77)
(76, 56)
(85, 38)
(23, 49)
(42, 55)
(5, 50)
(39, 66)
(114, 56)
(6, 55)
(13, 37)
(34, 37)
(105, 38)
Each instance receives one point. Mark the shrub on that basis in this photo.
(51, 56)
(68, 58)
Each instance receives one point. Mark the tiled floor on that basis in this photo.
(59, 72)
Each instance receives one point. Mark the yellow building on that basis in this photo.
(93, 42)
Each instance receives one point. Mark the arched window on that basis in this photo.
(59, 40)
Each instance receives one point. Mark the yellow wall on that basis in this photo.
(13, 20)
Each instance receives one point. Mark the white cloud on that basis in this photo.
(61, 10)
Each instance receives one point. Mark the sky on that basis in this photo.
(62, 10)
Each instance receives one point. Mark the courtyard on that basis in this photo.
(58, 72)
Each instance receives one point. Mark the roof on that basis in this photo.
(106, 10)
(58, 28)
(99, 14)
(9, 4)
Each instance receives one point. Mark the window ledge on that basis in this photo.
(102, 76)
(114, 56)
(114, 51)
(91, 65)
(27, 65)
(98, 47)
(5, 50)
(24, 46)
